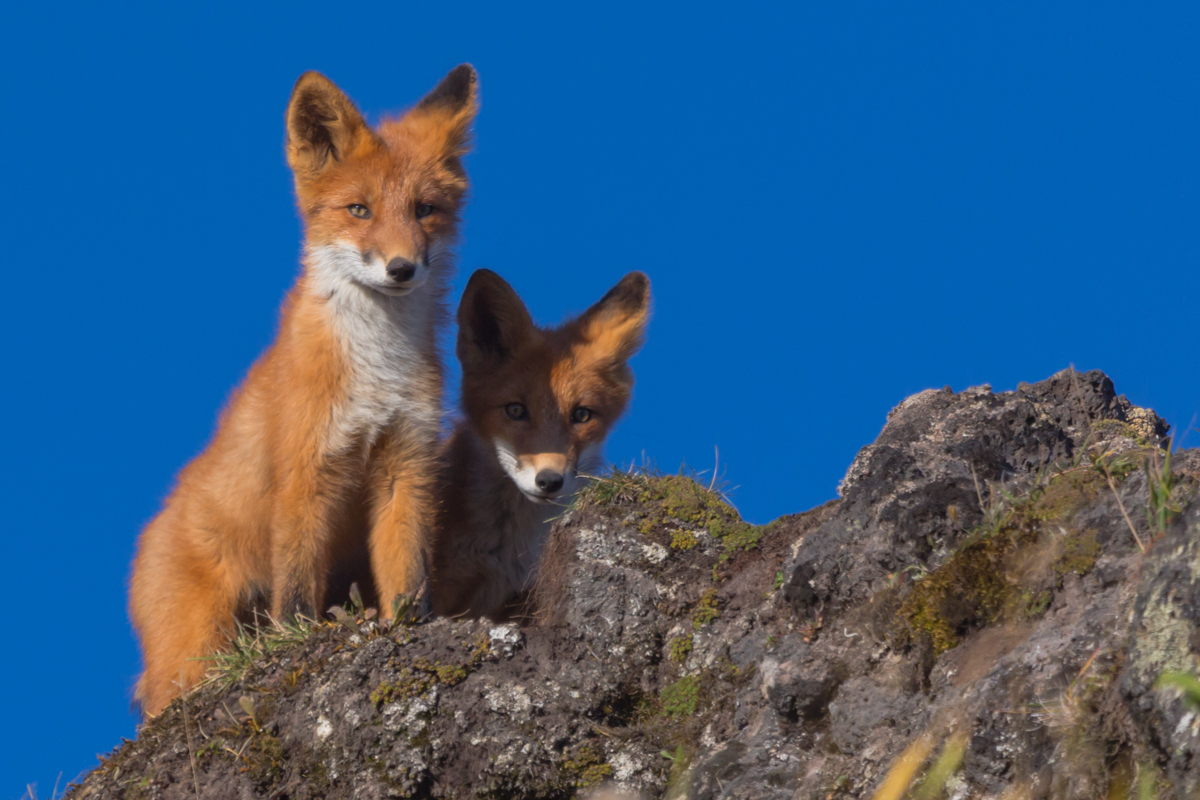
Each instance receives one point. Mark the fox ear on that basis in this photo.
(492, 321)
(613, 328)
(322, 123)
(448, 111)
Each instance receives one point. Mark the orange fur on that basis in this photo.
(333, 435)
(496, 493)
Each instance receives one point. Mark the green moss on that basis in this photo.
(981, 582)
(416, 677)
(665, 499)
(1080, 552)
(406, 687)
(1032, 604)
(683, 540)
(586, 767)
(1065, 494)
(451, 674)
(681, 648)
(706, 609)
(681, 698)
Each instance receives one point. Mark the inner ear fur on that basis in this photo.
(492, 320)
(322, 123)
(446, 113)
(615, 327)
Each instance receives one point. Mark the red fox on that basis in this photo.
(537, 404)
(333, 436)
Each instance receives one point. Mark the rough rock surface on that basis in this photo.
(975, 593)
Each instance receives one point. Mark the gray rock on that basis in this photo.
(665, 660)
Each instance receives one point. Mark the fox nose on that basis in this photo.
(549, 481)
(401, 270)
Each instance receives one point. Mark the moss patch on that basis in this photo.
(585, 766)
(984, 580)
(415, 677)
(681, 648)
(681, 698)
(1080, 551)
(706, 609)
(663, 501)
(683, 540)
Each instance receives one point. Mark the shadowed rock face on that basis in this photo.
(678, 652)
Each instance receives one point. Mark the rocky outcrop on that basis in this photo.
(976, 598)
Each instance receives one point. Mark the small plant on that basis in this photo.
(683, 540)
(706, 610)
(681, 698)
(681, 648)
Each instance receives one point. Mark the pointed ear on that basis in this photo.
(613, 328)
(492, 321)
(450, 108)
(322, 124)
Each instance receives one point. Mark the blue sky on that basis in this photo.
(837, 208)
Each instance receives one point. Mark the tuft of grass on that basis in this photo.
(31, 790)
(1162, 506)
(254, 642)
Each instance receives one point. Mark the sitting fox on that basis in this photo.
(333, 436)
(537, 405)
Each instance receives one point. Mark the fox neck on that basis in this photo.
(388, 346)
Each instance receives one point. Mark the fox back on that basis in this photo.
(537, 406)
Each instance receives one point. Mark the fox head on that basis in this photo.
(380, 206)
(544, 399)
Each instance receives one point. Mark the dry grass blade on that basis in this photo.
(947, 763)
(904, 769)
(1112, 485)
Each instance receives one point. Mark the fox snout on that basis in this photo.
(395, 274)
(401, 270)
(542, 477)
(548, 481)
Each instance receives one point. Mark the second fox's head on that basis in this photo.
(545, 398)
(380, 206)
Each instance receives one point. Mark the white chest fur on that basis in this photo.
(388, 344)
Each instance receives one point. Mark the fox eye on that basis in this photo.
(516, 411)
(581, 414)
(424, 210)
(359, 210)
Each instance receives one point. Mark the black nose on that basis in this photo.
(401, 270)
(549, 481)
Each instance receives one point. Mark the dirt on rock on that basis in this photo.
(975, 597)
